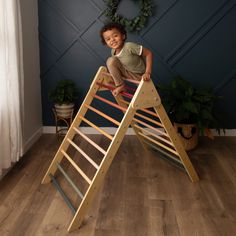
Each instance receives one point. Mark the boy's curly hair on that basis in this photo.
(110, 26)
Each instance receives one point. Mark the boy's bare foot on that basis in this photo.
(118, 90)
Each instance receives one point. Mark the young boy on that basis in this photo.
(128, 60)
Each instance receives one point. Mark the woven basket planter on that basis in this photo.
(188, 134)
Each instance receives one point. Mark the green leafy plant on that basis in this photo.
(189, 105)
(135, 24)
(64, 92)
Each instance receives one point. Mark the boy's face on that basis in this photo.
(114, 39)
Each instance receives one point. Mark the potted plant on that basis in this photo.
(64, 96)
(190, 109)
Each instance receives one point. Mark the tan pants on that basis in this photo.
(118, 71)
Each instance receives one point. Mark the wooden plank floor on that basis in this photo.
(142, 195)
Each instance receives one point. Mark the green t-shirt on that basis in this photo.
(130, 57)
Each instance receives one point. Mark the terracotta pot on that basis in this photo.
(188, 134)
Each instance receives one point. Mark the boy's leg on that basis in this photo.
(117, 72)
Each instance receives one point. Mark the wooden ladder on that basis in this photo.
(142, 110)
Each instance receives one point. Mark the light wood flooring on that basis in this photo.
(142, 195)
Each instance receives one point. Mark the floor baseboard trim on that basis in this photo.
(28, 144)
(130, 131)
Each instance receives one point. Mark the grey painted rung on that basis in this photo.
(167, 156)
(70, 181)
(64, 196)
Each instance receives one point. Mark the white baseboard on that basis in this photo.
(130, 131)
(28, 144)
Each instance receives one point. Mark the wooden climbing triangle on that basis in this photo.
(141, 109)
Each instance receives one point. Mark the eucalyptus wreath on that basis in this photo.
(132, 25)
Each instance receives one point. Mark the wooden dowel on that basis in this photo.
(125, 94)
(159, 144)
(64, 196)
(104, 85)
(129, 95)
(149, 119)
(154, 135)
(109, 102)
(130, 80)
(143, 109)
(125, 102)
(96, 127)
(150, 112)
(69, 180)
(83, 153)
(103, 115)
(133, 81)
(151, 127)
(90, 141)
(130, 88)
(166, 154)
(76, 167)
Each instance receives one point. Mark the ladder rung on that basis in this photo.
(70, 181)
(149, 119)
(64, 196)
(109, 84)
(156, 136)
(159, 144)
(83, 153)
(90, 141)
(76, 167)
(96, 127)
(151, 127)
(103, 115)
(130, 80)
(150, 112)
(133, 81)
(130, 88)
(125, 94)
(110, 103)
(166, 153)
(143, 109)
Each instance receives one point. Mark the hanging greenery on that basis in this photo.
(132, 25)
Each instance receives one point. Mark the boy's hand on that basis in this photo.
(146, 76)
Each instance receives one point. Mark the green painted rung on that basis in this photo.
(64, 196)
(70, 181)
(167, 156)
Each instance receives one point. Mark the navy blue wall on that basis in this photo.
(196, 39)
